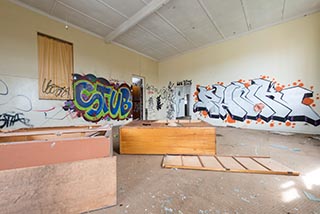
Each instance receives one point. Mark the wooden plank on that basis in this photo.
(56, 132)
(168, 140)
(73, 187)
(52, 128)
(230, 163)
(165, 123)
(36, 153)
(211, 162)
(250, 164)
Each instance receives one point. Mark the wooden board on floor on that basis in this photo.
(73, 187)
(242, 164)
(148, 137)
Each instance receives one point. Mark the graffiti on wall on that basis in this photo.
(162, 97)
(97, 98)
(10, 119)
(259, 99)
(17, 102)
(49, 88)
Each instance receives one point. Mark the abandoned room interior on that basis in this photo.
(160, 106)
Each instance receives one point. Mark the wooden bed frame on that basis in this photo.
(168, 137)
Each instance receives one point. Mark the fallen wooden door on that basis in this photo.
(243, 164)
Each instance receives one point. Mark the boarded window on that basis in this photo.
(55, 64)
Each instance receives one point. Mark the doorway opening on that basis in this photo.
(137, 97)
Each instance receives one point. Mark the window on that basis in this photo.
(55, 65)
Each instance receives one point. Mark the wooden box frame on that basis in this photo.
(168, 137)
(57, 170)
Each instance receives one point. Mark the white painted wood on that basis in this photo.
(94, 12)
(44, 5)
(300, 7)
(158, 26)
(78, 19)
(136, 18)
(205, 9)
(129, 8)
(194, 22)
(261, 12)
(233, 21)
(137, 39)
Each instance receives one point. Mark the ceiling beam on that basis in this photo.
(245, 13)
(136, 18)
(283, 9)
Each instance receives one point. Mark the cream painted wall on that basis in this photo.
(287, 52)
(19, 66)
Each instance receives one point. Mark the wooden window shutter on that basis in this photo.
(55, 65)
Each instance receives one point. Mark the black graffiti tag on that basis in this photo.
(10, 119)
(50, 88)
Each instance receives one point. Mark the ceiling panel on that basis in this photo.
(262, 12)
(129, 8)
(228, 16)
(158, 26)
(97, 11)
(130, 42)
(300, 7)
(139, 40)
(178, 26)
(78, 19)
(189, 17)
(44, 5)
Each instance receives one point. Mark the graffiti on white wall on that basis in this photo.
(14, 107)
(259, 99)
(157, 98)
(95, 98)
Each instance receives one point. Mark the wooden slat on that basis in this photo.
(232, 164)
(191, 161)
(172, 160)
(211, 162)
(200, 161)
(74, 187)
(272, 164)
(53, 128)
(250, 164)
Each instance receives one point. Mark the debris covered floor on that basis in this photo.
(144, 187)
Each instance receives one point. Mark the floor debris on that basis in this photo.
(285, 147)
(311, 196)
(244, 199)
(279, 146)
(316, 137)
(283, 133)
(295, 149)
(168, 210)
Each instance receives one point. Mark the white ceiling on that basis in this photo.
(173, 26)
